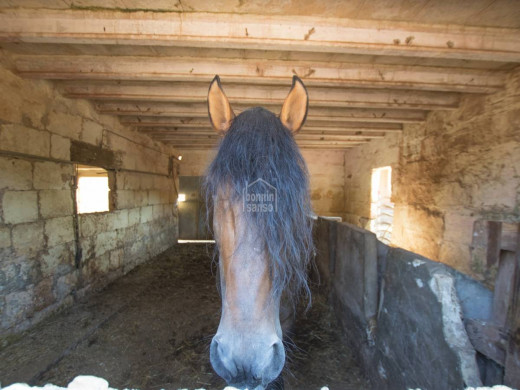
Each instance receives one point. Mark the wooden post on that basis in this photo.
(512, 364)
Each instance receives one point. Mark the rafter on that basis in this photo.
(303, 135)
(263, 95)
(329, 74)
(139, 111)
(203, 124)
(302, 143)
(261, 32)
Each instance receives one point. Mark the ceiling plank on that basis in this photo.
(301, 143)
(262, 32)
(141, 110)
(329, 74)
(203, 124)
(262, 95)
(188, 148)
(300, 136)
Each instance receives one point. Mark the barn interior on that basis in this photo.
(412, 141)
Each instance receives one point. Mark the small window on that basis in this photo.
(92, 193)
(381, 207)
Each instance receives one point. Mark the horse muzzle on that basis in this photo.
(247, 363)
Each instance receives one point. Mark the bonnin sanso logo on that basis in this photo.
(260, 197)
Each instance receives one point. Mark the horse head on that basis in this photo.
(257, 194)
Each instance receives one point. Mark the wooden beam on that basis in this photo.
(201, 124)
(263, 95)
(244, 71)
(301, 144)
(138, 111)
(261, 32)
(213, 140)
(299, 137)
(512, 364)
(304, 132)
(211, 147)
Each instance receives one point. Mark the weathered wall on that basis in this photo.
(401, 312)
(458, 167)
(325, 168)
(44, 261)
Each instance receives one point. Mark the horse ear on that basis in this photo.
(221, 114)
(295, 106)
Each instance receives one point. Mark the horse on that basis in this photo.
(257, 193)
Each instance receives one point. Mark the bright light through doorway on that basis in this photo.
(92, 194)
(381, 207)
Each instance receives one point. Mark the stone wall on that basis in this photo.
(48, 254)
(325, 168)
(402, 313)
(455, 169)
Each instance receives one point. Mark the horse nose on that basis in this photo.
(249, 366)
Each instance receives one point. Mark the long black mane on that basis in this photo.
(258, 146)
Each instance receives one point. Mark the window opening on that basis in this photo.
(93, 190)
(381, 207)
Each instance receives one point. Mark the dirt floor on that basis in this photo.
(151, 330)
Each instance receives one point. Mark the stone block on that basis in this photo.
(140, 198)
(65, 284)
(43, 294)
(116, 259)
(154, 197)
(52, 176)
(125, 199)
(21, 139)
(133, 216)
(16, 174)
(59, 230)
(92, 132)
(147, 181)
(18, 305)
(57, 260)
(146, 214)
(104, 242)
(132, 181)
(87, 247)
(56, 203)
(118, 219)
(97, 267)
(164, 197)
(91, 224)
(158, 211)
(60, 147)
(64, 124)
(20, 206)
(5, 237)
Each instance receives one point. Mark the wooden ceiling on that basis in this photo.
(369, 69)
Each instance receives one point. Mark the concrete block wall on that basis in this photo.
(457, 168)
(48, 255)
(326, 176)
(401, 312)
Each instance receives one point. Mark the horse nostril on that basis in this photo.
(274, 360)
(221, 361)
